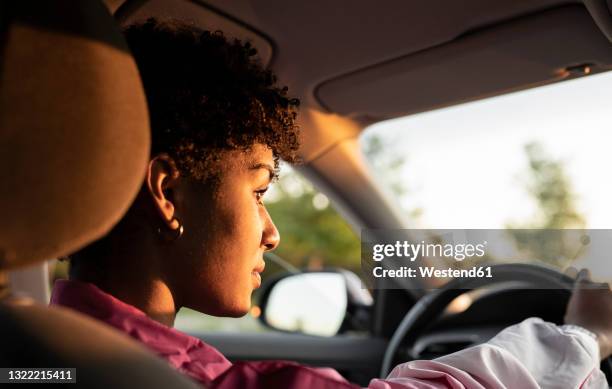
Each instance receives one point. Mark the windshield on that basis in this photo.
(528, 160)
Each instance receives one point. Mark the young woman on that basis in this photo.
(196, 234)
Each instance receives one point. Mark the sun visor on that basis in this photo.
(524, 52)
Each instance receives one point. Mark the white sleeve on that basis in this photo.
(555, 356)
(530, 355)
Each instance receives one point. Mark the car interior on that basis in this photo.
(70, 92)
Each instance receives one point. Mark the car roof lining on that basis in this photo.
(318, 41)
(199, 14)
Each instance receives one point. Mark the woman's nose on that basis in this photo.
(270, 236)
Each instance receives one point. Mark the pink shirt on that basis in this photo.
(529, 355)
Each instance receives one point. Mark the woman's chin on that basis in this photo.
(227, 309)
(237, 311)
(237, 308)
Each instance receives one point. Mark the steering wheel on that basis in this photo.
(431, 306)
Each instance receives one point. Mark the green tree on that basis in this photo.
(389, 165)
(543, 237)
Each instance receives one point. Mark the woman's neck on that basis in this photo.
(133, 285)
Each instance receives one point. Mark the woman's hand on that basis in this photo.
(591, 308)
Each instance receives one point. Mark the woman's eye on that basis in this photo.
(259, 194)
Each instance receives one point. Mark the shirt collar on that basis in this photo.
(184, 352)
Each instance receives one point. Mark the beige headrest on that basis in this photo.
(74, 130)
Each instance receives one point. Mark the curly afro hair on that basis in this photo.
(207, 94)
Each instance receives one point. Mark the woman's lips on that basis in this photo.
(256, 274)
(256, 279)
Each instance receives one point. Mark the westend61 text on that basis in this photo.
(432, 272)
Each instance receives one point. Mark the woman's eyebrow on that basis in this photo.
(265, 166)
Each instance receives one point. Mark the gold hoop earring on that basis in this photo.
(176, 233)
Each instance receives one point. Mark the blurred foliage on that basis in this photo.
(543, 238)
(552, 191)
(313, 234)
(388, 165)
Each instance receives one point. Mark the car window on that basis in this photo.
(313, 236)
(533, 159)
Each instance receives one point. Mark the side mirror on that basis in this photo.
(321, 303)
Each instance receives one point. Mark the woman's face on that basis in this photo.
(219, 257)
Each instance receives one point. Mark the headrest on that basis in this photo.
(74, 130)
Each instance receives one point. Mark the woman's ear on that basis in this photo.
(162, 176)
